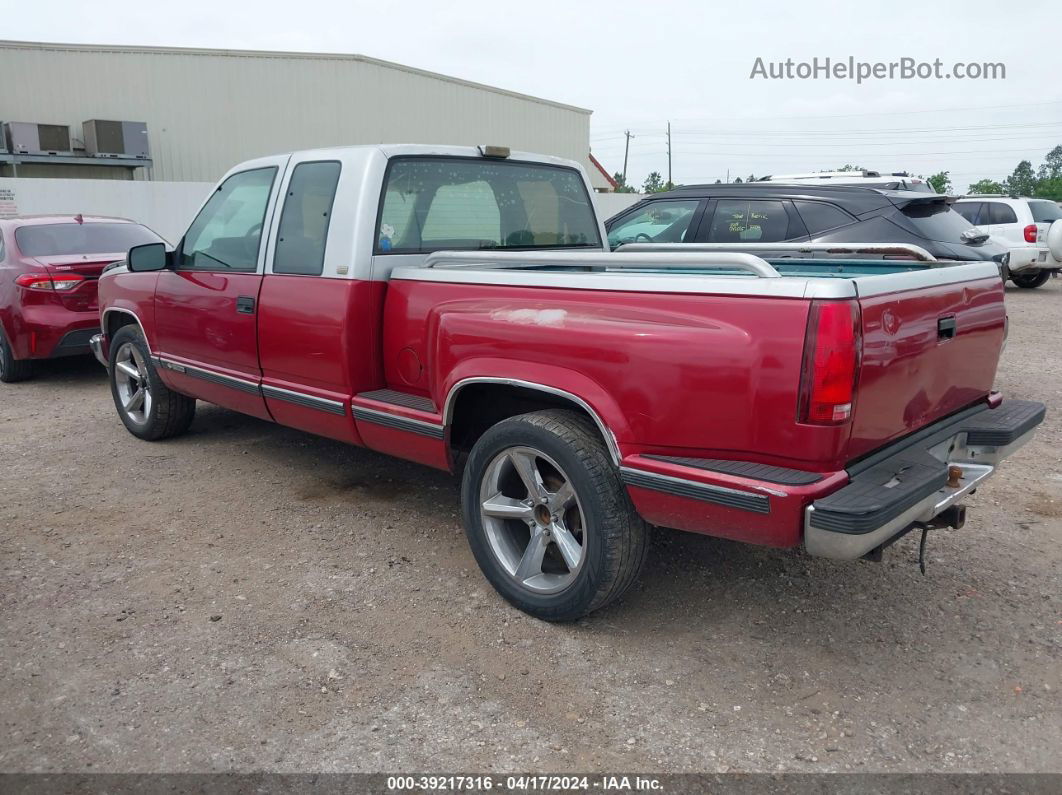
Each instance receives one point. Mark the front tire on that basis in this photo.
(1030, 281)
(148, 408)
(12, 370)
(548, 520)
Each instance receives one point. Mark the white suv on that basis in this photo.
(1030, 228)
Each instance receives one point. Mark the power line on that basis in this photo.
(820, 155)
(834, 133)
(867, 115)
(853, 144)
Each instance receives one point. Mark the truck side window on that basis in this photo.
(228, 230)
(303, 228)
(742, 221)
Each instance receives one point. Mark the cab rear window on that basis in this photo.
(439, 204)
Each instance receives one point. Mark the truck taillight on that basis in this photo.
(54, 283)
(1030, 233)
(832, 349)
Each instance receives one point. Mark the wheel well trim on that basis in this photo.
(132, 314)
(606, 432)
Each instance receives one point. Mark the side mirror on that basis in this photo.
(973, 236)
(148, 257)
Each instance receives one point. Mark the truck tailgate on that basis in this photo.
(927, 352)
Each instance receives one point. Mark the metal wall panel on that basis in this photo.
(206, 110)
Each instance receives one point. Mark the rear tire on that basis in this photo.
(1030, 281)
(12, 370)
(565, 545)
(147, 407)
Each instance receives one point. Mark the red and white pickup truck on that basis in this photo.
(459, 307)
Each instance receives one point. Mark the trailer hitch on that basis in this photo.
(954, 516)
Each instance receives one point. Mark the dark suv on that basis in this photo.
(764, 213)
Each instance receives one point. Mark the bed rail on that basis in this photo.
(894, 249)
(678, 257)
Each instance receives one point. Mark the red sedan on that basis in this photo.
(49, 265)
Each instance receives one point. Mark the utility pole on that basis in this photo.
(626, 151)
(669, 154)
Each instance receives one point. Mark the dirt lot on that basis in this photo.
(249, 597)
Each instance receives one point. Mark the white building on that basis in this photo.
(206, 110)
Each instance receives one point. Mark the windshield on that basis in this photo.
(1044, 211)
(439, 203)
(56, 240)
(936, 221)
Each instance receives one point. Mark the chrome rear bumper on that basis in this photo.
(917, 482)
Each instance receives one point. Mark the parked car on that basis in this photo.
(1032, 228)
(896, 180)
(457, 307)
(765, 212)
(48, 270)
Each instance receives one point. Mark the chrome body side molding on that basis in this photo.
(398, 423)
(302, 399)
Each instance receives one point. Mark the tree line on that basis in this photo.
(1043, 182)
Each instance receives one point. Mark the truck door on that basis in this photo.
(312, 351)
(206, 308)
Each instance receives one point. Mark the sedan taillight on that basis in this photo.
(62, 282)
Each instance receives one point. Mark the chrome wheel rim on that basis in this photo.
(131, 380)
(533, 520)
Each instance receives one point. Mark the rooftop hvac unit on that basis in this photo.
(30, 138)
(116, 139)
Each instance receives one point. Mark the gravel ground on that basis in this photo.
(249, 597)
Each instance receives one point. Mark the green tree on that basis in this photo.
(736, 181)
(1049, 189)
(940, 182)
(1022, 181)
(654, 183)
(621, 184)
(985, 186)
(850, 167)
(1051, 168)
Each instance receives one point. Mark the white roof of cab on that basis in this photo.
(438, 150)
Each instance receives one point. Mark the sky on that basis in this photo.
(639, 65)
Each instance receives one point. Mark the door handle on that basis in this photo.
(946, 327)
(245, 305)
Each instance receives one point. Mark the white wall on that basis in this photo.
(166, 207)
(207, 110)
(608, 204)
